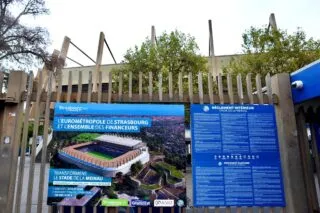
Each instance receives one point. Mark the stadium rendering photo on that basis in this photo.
(117, 155)
(106, 155)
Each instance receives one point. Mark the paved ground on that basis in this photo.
(35, 187)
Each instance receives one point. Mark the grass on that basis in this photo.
(100, 155)
(173, 171)
(150, 187)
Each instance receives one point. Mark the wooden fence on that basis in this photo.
(20, 98)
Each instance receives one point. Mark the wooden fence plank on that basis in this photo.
(180, 86)
(259, 88)
(249, 88)
(44, 146)
(79, 92)
(269, 89)
(100, 86)
(140, 85)
(150, 90)
(200, 87)
(24, 142)
(89, 87)
(288, 144)
(1, 80)
(69, 86)
(110, 87)
(160, 86)
(170, 86)
(230, 88)
(210, 90)
(240, 88)
(190, 86)
(220, 89)
(130, 85)
(33, 146)
(120, 85)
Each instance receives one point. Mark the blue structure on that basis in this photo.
(306, 83)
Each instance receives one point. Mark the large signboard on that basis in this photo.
(235, 156)
(117, 155)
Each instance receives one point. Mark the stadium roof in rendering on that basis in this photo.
(122, 141)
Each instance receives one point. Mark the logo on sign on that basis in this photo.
(163, 203)
(140, 203)
(206, 109)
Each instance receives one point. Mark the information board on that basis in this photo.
(235, 156)
(117, 155)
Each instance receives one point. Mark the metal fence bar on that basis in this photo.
(33, 148)
(24, 142)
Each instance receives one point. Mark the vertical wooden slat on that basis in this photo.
(110, 87)
(272, 210)
(260, 210)
(240, 88)
(170, 86)
(140, 86)
(210, 90)
(23, 144)
(315, 151)
(190, 87)
(100, 86)
(130, 85)
(44, 146)
(230, 88)
(259, 88)
(150, 89)
(60, 76)
(79, 87)
(1, 80)
(306, 161)
(33, 146)
(238, 210)
(69, 86)
(269, 89)
(217, 210)
(180, 86)
(89, 87)
(249, 88)
(160, 86)
(220, 89)
(200, 87)
(120, 85)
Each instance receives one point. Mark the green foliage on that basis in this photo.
(174, 52)
(173, 171)
(85, 137)
(274, 51)
(135, 168)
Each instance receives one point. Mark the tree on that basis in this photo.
(274, 51)
(174, 52)
(22, 44)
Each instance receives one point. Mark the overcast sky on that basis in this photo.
(128, 22)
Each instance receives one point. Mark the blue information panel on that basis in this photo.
(235, 156)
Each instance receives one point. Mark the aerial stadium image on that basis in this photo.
(116, 155)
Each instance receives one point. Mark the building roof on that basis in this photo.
(124, 141)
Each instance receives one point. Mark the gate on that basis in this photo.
(24, 181)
